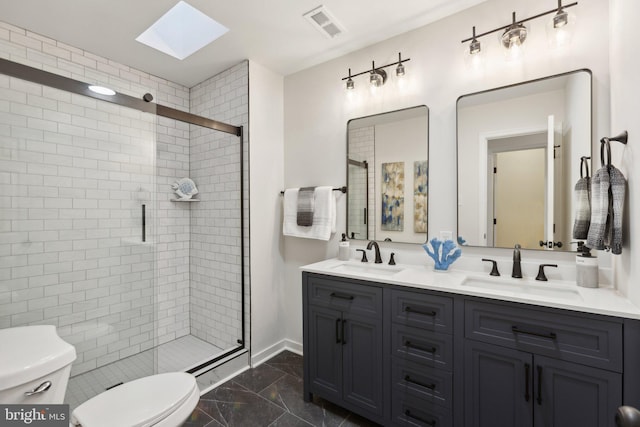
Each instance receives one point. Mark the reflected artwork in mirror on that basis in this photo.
(520, 151)
(387, 176)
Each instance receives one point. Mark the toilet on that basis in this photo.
(35, 364)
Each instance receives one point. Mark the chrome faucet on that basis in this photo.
(375, 246)
(516, 271)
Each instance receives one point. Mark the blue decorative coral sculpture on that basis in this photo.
(443, 253)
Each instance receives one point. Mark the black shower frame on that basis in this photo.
(35, 75)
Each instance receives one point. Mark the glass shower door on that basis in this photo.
(75, 176)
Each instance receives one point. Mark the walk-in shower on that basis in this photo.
(93, 241)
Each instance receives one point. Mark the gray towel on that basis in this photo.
(599, 209)
(617, 190)
(304, 216)
(582, 193)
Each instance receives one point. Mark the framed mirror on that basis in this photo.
(387, 176)
(521, 150)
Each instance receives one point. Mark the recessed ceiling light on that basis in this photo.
(182, 31)
(102, 90)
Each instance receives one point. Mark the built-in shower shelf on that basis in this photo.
(185, 200)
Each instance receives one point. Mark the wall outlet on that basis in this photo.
(446, 235)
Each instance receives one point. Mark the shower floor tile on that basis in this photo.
(177, 355)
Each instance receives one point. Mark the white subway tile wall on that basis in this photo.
(216, 295)
(73, 175)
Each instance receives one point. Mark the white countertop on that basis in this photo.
(554, 293)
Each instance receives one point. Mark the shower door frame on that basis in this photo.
(56, 81)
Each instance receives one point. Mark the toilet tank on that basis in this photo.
(32, 357)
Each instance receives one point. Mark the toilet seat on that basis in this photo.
(142, 402)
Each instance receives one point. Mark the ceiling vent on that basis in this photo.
(322, 20)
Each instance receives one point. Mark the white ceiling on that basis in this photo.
(270, 32)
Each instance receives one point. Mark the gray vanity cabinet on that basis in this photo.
(540, 368)
(413, 357)
(343, 344)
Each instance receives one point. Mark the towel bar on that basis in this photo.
(342, 189)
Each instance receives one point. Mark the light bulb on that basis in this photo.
(560, 29)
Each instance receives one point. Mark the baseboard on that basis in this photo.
(274, 349)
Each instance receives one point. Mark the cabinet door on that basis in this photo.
(325, 351)
(362, 362)
(498, 386)
(568, 394)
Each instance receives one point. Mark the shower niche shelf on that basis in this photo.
(184, 200)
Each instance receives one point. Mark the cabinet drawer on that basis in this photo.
(332, 292)
(585, 340)
(428, 384)
(408, 411)
(427, 311)
(430, 349)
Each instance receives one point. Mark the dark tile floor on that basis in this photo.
(269, 395)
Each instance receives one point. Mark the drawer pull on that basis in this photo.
(422, 420)
(341, 296)
(539, 400)
(517, 330)
(527, 396)
(408, 379)
(419, 347)
(410, 309)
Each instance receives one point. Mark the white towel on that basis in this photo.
(324, 214)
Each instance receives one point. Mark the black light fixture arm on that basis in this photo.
(504, 27)
(368, 71)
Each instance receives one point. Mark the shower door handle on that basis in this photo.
(144, 223)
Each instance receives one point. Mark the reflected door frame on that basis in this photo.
(485, 225)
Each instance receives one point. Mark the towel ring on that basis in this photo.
(605, 141)
(583, 161)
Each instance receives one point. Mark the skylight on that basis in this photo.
(182, 31)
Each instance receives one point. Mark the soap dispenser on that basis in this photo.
(586, 267)
(343, 248)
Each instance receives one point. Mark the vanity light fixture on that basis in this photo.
(514, 34)
(377, 75)
(350, 84)
(400, 67)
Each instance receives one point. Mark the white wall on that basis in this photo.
(625, 110)
(266, 182)
(317, 110)
(401, 141)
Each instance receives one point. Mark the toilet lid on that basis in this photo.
(138, 403)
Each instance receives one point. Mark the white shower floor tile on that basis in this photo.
(177, 355)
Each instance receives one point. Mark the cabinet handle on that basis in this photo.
(338, 340)
(517, 330)
(527, 368)
(409, 344)
(539, 400)
(341, 296)
(422, 420)
(408, 379)
(344, 341)
(409, 309)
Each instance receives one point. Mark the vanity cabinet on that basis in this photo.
(402, 356)
(421, 356)
(343, 344)
(531, 367)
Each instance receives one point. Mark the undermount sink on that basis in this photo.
(524, 287)
(366, 268)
